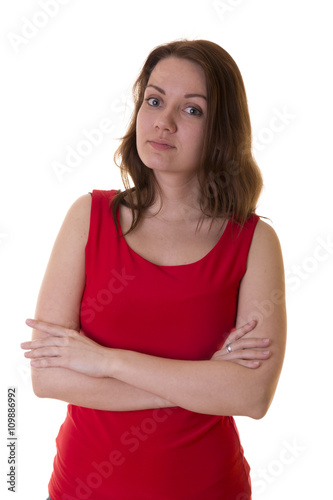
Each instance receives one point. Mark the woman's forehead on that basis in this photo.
(180, 72)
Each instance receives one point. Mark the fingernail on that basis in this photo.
(266, 353)
(265, 341)
(29, 321)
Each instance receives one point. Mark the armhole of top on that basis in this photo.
(90, 231)
(254, 221)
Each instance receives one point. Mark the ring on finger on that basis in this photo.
(228, 347)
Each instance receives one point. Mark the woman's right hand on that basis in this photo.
(248, 352)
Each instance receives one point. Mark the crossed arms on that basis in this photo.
(70, 367)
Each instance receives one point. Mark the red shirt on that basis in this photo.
(178, 312)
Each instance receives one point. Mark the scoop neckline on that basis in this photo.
(130, 249)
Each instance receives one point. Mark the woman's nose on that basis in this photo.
(165, 120)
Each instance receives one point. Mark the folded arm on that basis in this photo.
(214, 387)
(59, 302)
(90, 392)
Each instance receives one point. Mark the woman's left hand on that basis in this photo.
(66, 348)
(246, 351)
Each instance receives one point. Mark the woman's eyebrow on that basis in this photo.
(157, 88)
(186, 95)
(195, 95)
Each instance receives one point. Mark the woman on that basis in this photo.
(159, 303)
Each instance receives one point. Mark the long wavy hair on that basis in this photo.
(230, 181)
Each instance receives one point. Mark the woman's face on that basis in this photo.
(172, 118)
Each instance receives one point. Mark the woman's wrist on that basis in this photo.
(112, 361)
(116, 367)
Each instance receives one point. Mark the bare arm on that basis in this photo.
(211, 386)
(59, 302)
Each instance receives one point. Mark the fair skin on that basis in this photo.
(171, 121)
(67, 365)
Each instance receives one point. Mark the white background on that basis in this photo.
(77, 70)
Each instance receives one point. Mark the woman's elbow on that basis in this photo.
(38, 388)
(262, 404)
(258, 412)
(40, 383)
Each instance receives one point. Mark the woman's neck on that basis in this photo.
(176, 200)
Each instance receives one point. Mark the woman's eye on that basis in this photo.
(191, 110)
(152, 101)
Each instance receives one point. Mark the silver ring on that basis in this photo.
(228, 348)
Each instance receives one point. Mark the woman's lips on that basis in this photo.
(160, 146)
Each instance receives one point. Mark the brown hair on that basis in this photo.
(229, 178)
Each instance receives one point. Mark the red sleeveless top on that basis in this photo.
(179, 312)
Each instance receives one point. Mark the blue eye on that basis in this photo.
(193, 111)
(153, 102)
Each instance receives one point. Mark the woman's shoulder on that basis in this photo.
(81, 206)
(80, 212)
(264, 232)
(77, 219)
(83, 201)
(265, 246)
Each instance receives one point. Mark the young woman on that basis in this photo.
(162, 313)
